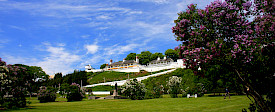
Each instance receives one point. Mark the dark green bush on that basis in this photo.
(46, 94)
(75, 93)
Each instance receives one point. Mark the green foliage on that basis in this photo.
(64, 89)
(217, 78)
(170, 53)
(16, 80)
(75, 93)
(156, 55)
(103, 88)
(76, 77)
(161, 80)
(131, 56)
(102, 66)
(154, 90)
(16, 101)
(134, 90)
(114, 76)
(46, 94)
(144, 57)
(224, 34)
(174, 84)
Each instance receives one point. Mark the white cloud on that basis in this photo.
(152, 1)
(59, 9)
(58, 60)
(61, 44)
(17, 27)
(3, 42)
(17, 59)
(85, 36)
(92, 48)
(103, 17)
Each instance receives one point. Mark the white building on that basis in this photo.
(134, 66)
(89, 68)
(124, 66)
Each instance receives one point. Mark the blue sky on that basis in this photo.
(64, 35)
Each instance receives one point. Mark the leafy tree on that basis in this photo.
(46, 94)
(131, 56)
(14, 81)
(64, 89)
(102, 66)
(156, 55)
(58, 79)
(134, 89)
(174, 84)
(173, 54)
(144, 57)
(221, 34)
(76, 77)
(75, 93)
(192, 84)
(154, 90)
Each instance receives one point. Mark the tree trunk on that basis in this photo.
(259, 100)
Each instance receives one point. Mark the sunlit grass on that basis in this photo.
(211, 104)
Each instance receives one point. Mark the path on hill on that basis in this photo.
(120, 83)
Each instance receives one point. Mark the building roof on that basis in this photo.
(121, 62)
(161, 60)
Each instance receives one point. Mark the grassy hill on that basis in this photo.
(116, 76)
(161, 80)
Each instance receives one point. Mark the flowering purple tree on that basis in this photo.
(75, 93)
(233, 34)
(13, 85)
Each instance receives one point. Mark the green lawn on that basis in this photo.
(116, 76)
(210, 104)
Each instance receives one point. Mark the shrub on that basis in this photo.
(191, 84)
(46, 94)
(16, 101)
(154, 92)
(13, 86)
(174, 85)
(134, 89)
(75, 93)
(64, 88)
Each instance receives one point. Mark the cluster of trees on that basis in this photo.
(17, 81)
(79, 77)
(146, 56)
(180, 81)
(222, 35)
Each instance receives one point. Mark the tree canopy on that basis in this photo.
(144, 57)
(170, 53)
(131, 56)
(222, 34)
(156, 55)
(102, 66)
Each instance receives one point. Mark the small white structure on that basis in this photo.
(100, 93)
(188, 96)
(89, 68)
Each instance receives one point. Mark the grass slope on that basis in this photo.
(204, 104)
(116, 76)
